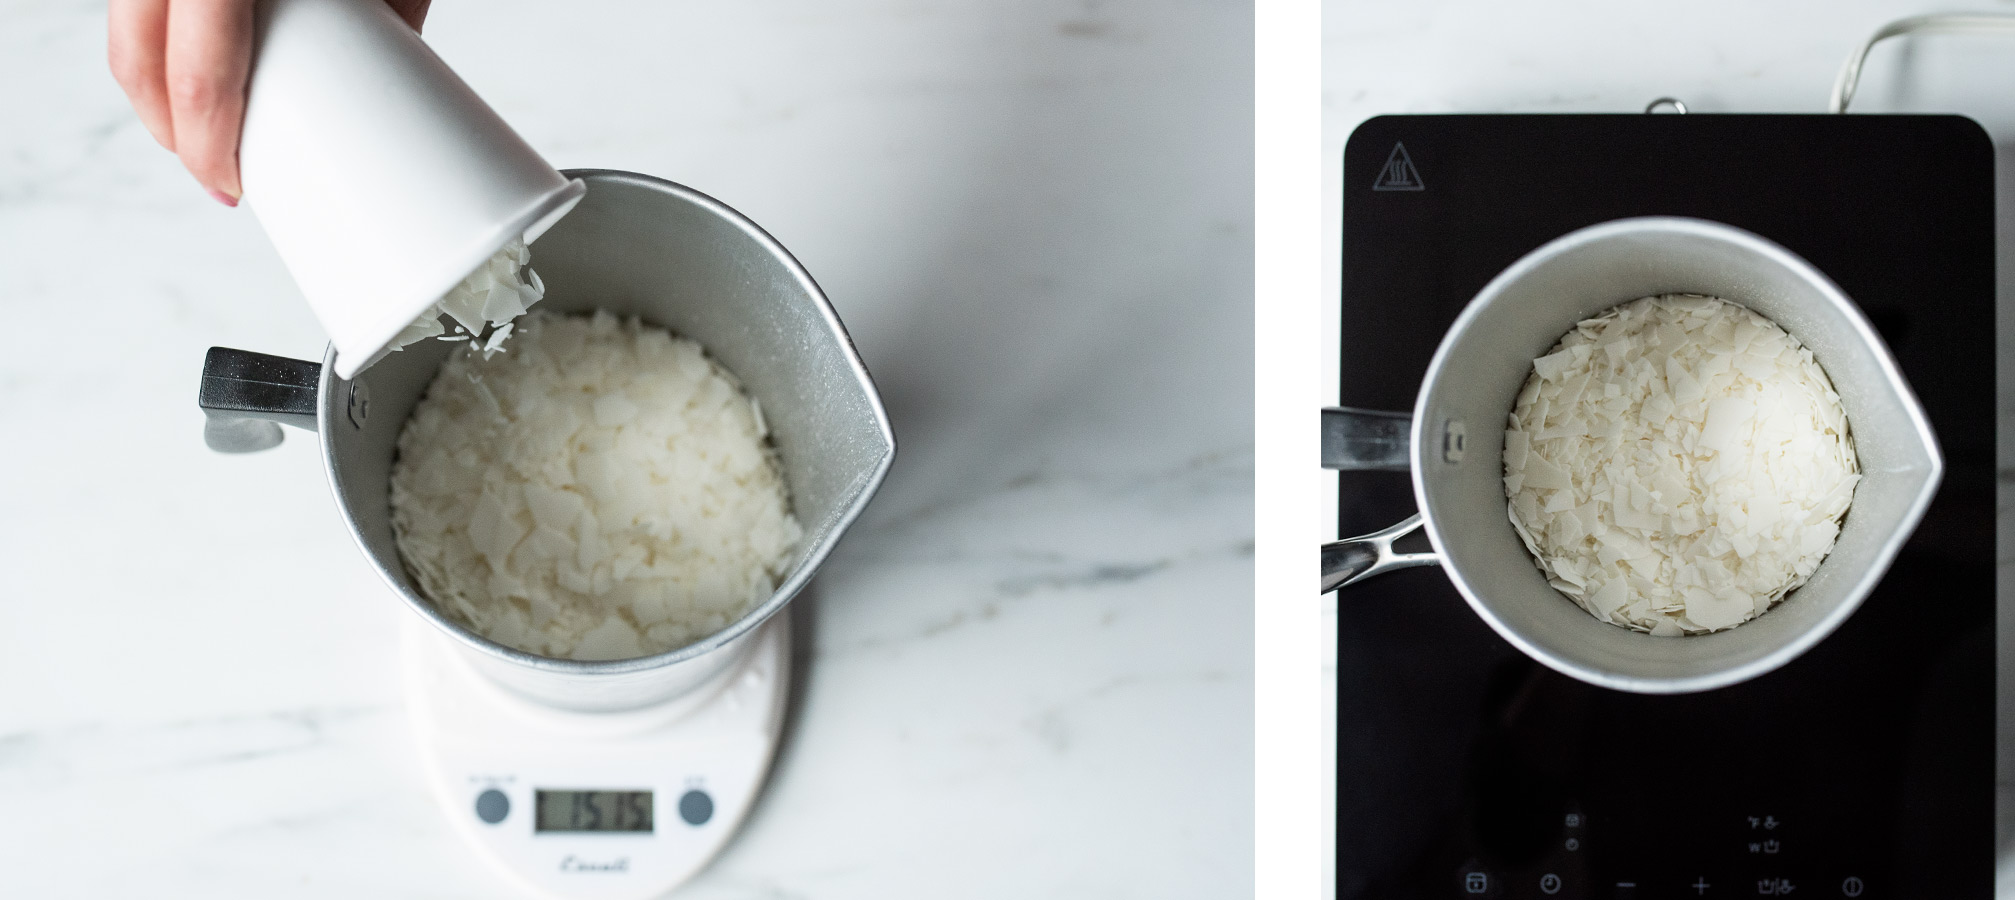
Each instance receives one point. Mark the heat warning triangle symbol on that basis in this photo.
(1398, 173)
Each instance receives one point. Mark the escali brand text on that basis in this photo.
(572, 863)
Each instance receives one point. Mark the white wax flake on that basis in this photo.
(613, 639)
(497, 337)
(422, 328)
(494, 294)
(615, 409)
(1728, 424)
(601, 492)
(1678, 464)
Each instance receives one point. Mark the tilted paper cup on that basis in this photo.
(380, 177)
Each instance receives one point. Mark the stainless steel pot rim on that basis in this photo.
(1765, 248)
(800, 576)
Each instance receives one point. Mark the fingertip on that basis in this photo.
(167, 142)
(135, 49)
(217, 177)
(230, 185)
(413, 11)
(208, 58)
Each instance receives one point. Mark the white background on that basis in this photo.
(1717, 56)
(1028, 668)
(1292, 781)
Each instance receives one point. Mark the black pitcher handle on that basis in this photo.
(244, 394)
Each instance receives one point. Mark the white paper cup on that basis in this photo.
(380, 177)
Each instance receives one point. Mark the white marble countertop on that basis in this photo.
(1030, 664)
(1717, 56)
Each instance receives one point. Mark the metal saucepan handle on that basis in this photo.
(244, 394)
(1358, 440)
(1355, 559)
(1364, 440)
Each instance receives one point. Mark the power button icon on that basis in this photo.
(1851, 887)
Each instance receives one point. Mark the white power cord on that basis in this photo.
(1940, 23)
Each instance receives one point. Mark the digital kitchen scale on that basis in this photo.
(597, 806)
(1864, 768)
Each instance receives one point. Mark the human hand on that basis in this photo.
(184, 64)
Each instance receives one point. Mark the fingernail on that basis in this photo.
(223, 198)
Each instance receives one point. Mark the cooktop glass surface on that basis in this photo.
(1862, 769)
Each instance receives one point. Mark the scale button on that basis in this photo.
(696, 807)
(492, 806)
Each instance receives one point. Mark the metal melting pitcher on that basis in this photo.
(635, 246)
(1453, 443)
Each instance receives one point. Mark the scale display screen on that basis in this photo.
(559, 811)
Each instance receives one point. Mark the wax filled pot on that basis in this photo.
(635, 246)
(1454, 441)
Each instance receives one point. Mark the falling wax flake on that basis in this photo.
(494, 294)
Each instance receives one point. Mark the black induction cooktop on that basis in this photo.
(1863, 768)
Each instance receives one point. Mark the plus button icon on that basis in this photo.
(1701, 886)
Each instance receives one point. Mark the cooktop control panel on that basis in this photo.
(1749, 855)
(1864, 768)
